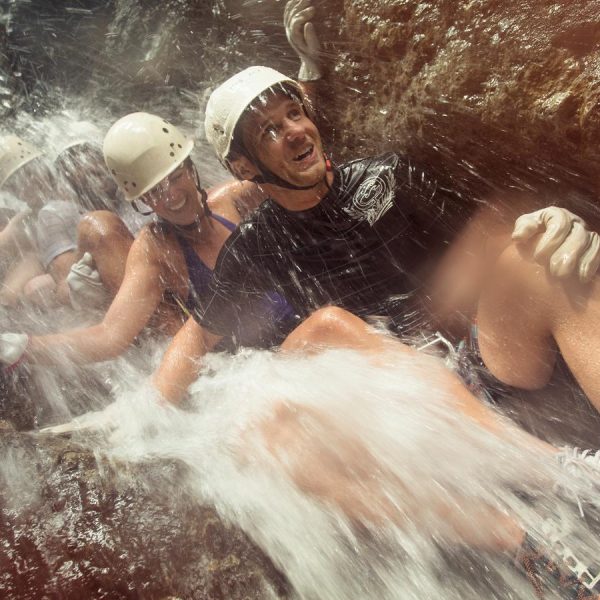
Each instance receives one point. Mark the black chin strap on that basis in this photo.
(202, 192)
(196, 225)
(267, 176)
(138, 210)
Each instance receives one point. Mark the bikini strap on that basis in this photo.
(225, 222)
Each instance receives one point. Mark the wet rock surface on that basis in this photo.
(491, 94)
(72, 527)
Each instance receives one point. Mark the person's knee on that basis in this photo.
(332, 321)
(100, 228)
(40, 289)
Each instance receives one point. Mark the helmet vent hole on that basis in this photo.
(172, 153)
(165, 130)
(113, 171)
(133, 184)
(172, 145)
(179, 146)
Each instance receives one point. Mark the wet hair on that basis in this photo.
(238, 146)
(83, 169)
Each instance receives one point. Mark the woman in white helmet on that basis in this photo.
(172, 258)
(98, 236)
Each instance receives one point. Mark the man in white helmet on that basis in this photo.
(171, 260)
(359, 237)
(352, 237)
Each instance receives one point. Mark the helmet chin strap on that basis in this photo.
(196, 224)
(267, 176)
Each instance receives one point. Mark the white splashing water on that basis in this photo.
(430, 490)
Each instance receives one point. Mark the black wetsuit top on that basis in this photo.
(362, 248)
(269, 309)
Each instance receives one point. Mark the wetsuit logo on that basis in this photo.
(373, 198)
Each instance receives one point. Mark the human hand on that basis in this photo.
(12, 349)
(566, 244)
(86, 289)
(302, 36)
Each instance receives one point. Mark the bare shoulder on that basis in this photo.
(235, 199)
(152, 244)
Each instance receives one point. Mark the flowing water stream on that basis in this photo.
(434, 488)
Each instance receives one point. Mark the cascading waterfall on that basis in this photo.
(434, 489)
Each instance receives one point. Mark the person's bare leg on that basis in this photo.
(334, 327)
(26, 268)
(325, 463)
(337, 468)
(526, 317)
(104, 235)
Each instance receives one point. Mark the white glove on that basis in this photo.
(567, 243)
(303, 38)
(12, 348)
(86, 289)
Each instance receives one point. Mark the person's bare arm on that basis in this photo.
(181, 363)
(59, 269)
(134, 304)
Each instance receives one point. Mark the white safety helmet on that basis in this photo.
(228, 102)
(15, 153)
(141, 149)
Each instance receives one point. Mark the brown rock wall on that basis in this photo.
(490, 93)
(71, 527)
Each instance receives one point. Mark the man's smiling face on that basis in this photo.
(278, 132)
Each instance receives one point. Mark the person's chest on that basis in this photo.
(335, 253)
